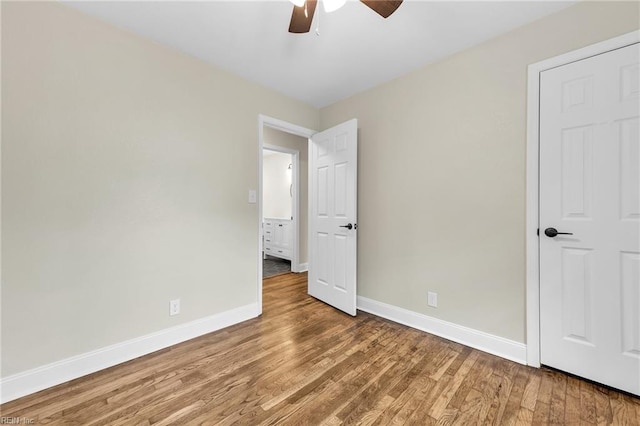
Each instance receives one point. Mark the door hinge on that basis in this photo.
(538, 232)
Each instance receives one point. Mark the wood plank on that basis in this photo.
(482, 368)
(541, 413)
(530, 395)
(517, 392)
(471, 411)
(604, 415)
(624, 413)
(587, 403)
(500, 386)
(440, 404)
(558, 399)
(546, 384)
(572, 400)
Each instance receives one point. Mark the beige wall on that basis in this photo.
(125, 173)
(288, 140)
(277, 202)
(441, 178)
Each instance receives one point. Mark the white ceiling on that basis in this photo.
(356, 48)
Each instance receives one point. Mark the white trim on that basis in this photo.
(302, 267)
(37, 379)
(495, 345)
(286, 127)
(532, 173)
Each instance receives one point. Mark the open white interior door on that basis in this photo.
(332, 223)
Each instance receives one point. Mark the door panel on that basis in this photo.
(590, 187)
(577, 173)
(332, 247)
(577, 308)
(630, 168)
(340, 255)
(340, 194)
(321, 259)
(630, 271)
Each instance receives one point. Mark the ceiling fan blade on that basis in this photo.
(383, 8)
(301, 22)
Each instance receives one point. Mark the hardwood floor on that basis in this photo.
(304, 363)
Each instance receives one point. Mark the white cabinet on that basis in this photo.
(278, 237)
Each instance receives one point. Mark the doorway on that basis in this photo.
(331, 210)
(278, 205)
(285, 138)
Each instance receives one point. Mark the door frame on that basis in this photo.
(532, 177)
(283, 126)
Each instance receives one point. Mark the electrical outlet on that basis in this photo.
(432, 299)
(174, 307)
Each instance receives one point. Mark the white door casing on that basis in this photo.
(333, 207)
(589, 181)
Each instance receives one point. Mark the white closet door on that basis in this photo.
(590, 189)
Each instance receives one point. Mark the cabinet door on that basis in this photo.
(285, 230)
(278, 233)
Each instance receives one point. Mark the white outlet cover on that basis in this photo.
(432, 299)
(253, 196)
(174, 307)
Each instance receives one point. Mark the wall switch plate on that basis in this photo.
(174, 307)
(253, 196)
(432, 299)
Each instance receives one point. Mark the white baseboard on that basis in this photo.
(480, 340)
(37, 379)
(302, 267)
